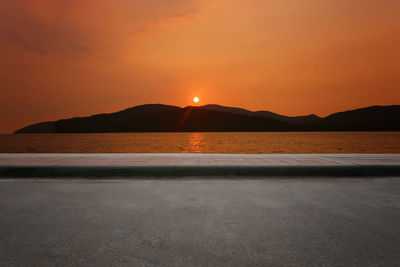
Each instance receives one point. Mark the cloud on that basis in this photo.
(81, 48)
(17, 40)
(48, 26)
(174, 18)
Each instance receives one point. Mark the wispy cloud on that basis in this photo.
(81, 48)
(45, 26)
(173, 18)
(19, 41)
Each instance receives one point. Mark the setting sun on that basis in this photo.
(196, 99)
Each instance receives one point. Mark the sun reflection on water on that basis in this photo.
(195, 140)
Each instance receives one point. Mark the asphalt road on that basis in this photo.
(201, 222)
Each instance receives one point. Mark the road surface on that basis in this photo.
(200, 222)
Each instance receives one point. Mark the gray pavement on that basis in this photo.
(139, 165)
(200, 222)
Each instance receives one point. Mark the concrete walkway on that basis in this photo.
(131, 165)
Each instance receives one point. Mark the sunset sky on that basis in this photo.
(65, 58)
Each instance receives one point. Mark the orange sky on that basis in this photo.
(80, 57)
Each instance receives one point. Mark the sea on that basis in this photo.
(204, 142)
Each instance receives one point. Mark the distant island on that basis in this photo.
(216, 118)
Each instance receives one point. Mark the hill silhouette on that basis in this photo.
(374, 118)
(309, 119)
(213, 118)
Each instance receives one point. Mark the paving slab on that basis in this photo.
(165, 165)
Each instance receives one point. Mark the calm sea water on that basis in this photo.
(248, 142)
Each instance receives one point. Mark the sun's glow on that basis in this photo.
(196, 99)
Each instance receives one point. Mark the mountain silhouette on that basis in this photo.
(309, 119)
(374, 118)
(216, 118)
